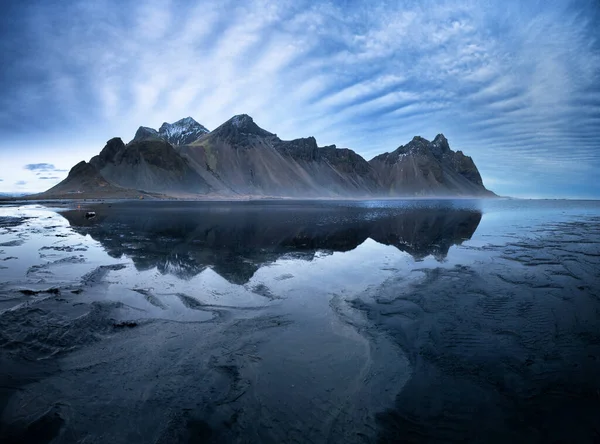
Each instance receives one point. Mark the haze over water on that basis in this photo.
(300, 321)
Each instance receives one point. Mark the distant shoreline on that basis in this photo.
(37, 199)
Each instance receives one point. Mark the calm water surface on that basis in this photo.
(300, 321)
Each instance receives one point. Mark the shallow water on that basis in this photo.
(291, 321)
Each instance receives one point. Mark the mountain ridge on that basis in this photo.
(181, 132)
(429, 168)
(239, 158)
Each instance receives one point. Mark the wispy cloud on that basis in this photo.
(514, 85)
(41, 170)
(39, 167)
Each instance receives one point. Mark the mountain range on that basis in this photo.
(240, 159)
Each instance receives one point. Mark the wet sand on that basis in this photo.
(300, 322)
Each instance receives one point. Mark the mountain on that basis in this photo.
(82, 178)
(239, 158)
(144, 133)
(85, 181)
(182, 132)
(424, 168)
(150, 165)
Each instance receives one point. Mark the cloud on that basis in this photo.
(21, 183)
(40, 166)
(508, 84)
(43, 169)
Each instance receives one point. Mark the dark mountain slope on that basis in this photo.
(246, 159)
(424, 168)
(145, 133)
(149, 165)
(241, 159)
(84, 178)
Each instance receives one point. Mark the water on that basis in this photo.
(290, 321)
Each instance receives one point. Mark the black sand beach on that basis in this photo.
(300, 321)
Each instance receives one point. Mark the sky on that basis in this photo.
(513, 84)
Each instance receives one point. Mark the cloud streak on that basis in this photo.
(513, 85)
(39, 167)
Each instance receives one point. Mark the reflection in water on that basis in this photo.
(185, 238)
(493, 341)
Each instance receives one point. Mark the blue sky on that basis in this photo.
(515, 85)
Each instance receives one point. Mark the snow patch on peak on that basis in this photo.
(182, 132)
(241, 119)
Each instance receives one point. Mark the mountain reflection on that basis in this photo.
(236, 239)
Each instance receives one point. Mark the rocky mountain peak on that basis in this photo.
(241, 158)
(182, 132)
(112, 147)
(187, 121)
(145, 133)
(440, 138)
(108, 153)
(422, 167)
(419, 145)
(440, 145)
(242, 120)
(81, 168)
(239, 127)
(115, 141)
(304, 148)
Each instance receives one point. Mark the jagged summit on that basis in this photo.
(422, 167)
(151, 165)
(108, 153)
(239, 158)
(145, 133)
(240, 126)
(419, 145)
(440, 145)
(182, 132)
(304, 148)
(241, 120)
(186, 121)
